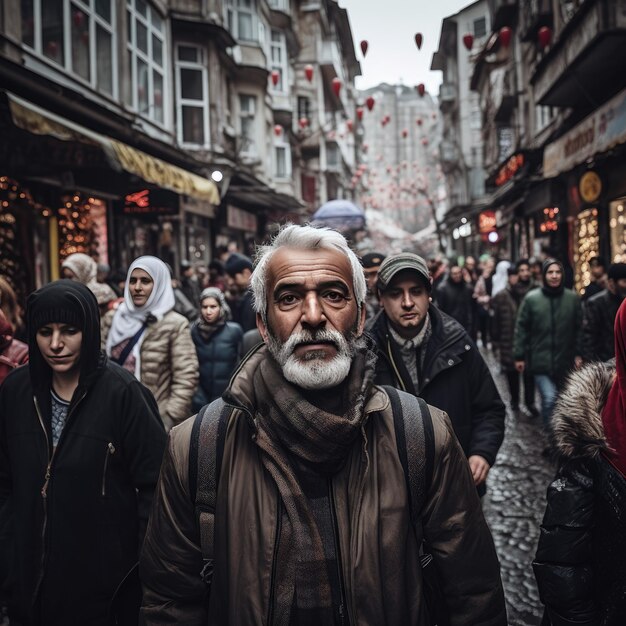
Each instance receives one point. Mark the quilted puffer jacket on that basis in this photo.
(580, 565)
(169, 365)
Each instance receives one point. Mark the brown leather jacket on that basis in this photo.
(381, 570)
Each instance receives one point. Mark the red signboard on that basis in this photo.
(486, 222)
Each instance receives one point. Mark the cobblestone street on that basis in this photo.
(514, 506)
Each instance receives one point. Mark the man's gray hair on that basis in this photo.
(305, 238)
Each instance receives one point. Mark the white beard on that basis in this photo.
(314, 371)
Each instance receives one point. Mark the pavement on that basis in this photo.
(515, 504)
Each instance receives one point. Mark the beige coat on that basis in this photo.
(169, 365)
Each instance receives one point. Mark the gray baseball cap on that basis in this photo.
(403, 261)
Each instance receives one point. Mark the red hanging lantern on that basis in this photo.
(383, 122)
(308, 72)
(303, 122)
(504, 36)
(425, 143)
(468, 40)
(364, 47)
(350, 125)
(79, 18)
(387, 119)
(365, 147)
(421, 89)
(418, 121)
(544, 36)
(278, 130)
(418, 40)
(359, 113)
(275, 75)
(52, 48)
(405, 134)
(336, 86)
(370, 102)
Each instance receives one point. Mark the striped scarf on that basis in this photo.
(293, 431)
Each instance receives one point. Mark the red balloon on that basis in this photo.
(336, 86)
(364, 47)
(418, 40)
(303, 122)
(359, 113)
(308, 72)
(468, 40)
(370, 102)
(275, 77)
(421, 89)
(278, 130)
(505, 36)
(544, 36)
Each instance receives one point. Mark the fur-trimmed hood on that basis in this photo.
(577, 430)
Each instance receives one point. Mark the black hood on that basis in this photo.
(69, 302)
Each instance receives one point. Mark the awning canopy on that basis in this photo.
(34, 119)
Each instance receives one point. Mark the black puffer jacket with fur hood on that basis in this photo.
(580, 563)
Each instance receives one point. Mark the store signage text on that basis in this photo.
(509, 169)
(486, 222)
(149, 202)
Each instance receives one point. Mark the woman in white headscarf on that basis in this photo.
(148, 338)
(500, 278)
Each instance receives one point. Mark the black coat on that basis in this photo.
(580, 561)
(244, 313)
(84, 536)
(598, 326)
(455, 378)
(457, 300)
(218, 357)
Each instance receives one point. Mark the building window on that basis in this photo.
(278, 55)
(247, 123)
(543, 117)
(192, 99)
(282, 160)
(332, 155)
(78, 35)
(241, 17)
(281, 5)
(146, 55)
(304, 107)
(480, 27)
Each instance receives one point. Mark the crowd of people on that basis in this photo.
(343, 422)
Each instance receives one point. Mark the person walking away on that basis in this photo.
(13, 352)
(505, 305)
(149, 339)
(189, 282)
(371, 263)
(599, 316)
(482, 294)
(427, 353)
(218, 344)
(455, 298)
(312, 523)
(579, 564)
(239, 268)
(81, 444)
(548, 338)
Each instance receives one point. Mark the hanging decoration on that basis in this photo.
(370, 102)
(405, 134)
(308, 72)
(421, 89)
(468, 40)
(75, 226)
(359, 113)
(303, 122)
(418, 121)
(278, 130)
(336, 86)
(275, 75)
(504, 36)
(364, 47)
(350, 125)
(418, 40)
(544, 37)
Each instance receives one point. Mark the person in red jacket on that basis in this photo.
(13, 352)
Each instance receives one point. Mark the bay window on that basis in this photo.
(192, 98)
(278, 56)
(241, 17)
(247, 123)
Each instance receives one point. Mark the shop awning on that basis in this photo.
(34, 119)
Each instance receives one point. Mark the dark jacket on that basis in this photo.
(218, 357)
(598, 326)
(244, 313)
(379, 549)
(457, 300)
(13, 352)
(548, 332)
(80, 510)
(580, 558)
(454, 378)
(504, 306)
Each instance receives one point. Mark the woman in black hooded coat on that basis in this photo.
(81, 443)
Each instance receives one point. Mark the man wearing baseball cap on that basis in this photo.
(371, 264)
(428, 353)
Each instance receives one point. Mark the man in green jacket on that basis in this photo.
(547, 335)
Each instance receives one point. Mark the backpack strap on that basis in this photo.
(208, 435)
(415, 439)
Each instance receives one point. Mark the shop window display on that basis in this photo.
(586, 246)
(617, 223)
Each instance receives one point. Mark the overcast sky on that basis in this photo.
(389, 26)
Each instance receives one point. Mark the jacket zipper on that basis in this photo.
(44, 488)
(333, 514)
(270, 610)
(110, 452)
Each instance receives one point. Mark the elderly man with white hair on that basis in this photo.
(310, 519)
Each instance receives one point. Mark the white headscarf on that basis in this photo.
(129, 318)
(500, 278)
